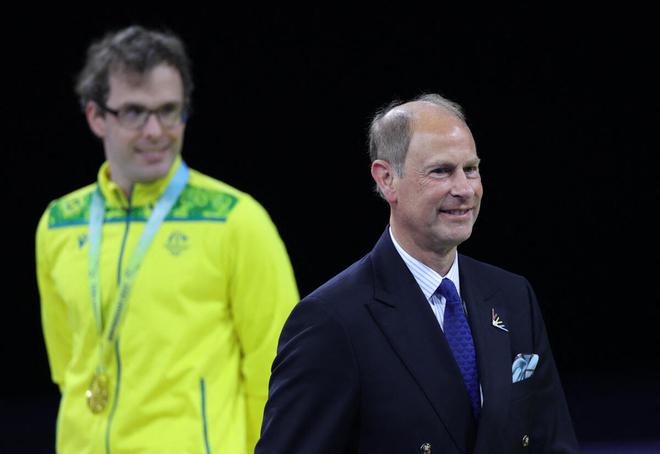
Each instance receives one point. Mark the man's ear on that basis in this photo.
(383, 174)
(95, 119)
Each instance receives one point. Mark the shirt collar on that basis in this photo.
(427, 279)
(143, 193)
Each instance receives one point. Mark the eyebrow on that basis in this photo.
(145, 107)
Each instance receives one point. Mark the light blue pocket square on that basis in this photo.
(523, 366)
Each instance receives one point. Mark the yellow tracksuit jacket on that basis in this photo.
(191, 361)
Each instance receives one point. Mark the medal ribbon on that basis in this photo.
(108, 332)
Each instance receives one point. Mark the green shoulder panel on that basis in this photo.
(197, 203)
(73, 210)
(70, 210)
(194, 204)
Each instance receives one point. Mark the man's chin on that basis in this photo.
(155, 171)
(457, 236)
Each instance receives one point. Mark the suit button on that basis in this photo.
(425, 448)
(525, 440)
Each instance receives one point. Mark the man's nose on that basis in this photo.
(152, 127)
(462, 185)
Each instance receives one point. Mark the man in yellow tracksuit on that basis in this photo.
(163, 291)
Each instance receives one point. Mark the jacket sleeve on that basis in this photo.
(552, 418)
(314, 388)
(262, 291)
(54, 316)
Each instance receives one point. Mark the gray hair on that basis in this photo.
(131, 50)
(391, 129)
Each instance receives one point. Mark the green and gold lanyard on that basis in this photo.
(97, 393)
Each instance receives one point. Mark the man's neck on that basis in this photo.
(439, 260)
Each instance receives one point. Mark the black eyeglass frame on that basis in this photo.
(183, 116)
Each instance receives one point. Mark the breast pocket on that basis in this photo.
(523, 389)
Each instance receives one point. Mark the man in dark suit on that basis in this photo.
(416, 348)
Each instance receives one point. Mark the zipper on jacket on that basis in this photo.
(202, 390)
(123, 241)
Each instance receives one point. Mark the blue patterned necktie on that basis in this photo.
(458, 334)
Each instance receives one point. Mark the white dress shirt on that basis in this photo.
(428, 280)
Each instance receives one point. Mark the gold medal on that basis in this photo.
(97, 393)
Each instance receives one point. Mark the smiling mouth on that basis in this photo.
(456, 212)
(151, 150)
(151, 156)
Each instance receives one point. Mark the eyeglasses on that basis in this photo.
(135, 116)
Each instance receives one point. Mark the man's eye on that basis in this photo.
(168, 109)
(441, 170)
(472, 170)
(132, 111)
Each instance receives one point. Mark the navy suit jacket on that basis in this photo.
(363, 367)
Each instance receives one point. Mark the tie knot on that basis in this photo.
(448, 290)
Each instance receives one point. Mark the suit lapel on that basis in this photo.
(405, 318)
(493, 354)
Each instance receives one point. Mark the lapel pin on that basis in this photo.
(498, 323)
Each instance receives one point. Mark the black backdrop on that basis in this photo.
(562, 103)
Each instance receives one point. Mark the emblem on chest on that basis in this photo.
(177, 242)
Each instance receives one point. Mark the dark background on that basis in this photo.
(562, 104)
